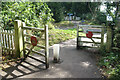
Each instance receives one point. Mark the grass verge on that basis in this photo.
(64, 23)
(57, 35)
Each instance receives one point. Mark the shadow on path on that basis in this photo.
(76, 64)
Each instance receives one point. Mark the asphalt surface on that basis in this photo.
(73, 64)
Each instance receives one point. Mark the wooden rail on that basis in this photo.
(90, 28)
(32, 28)
(13, 42)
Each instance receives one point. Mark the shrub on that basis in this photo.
(50, 25)
(117, 40)
(32, 13)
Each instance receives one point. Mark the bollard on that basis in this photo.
(56, 51)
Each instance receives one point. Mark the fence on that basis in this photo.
(97, 39)
(17, 42)
(7, 43)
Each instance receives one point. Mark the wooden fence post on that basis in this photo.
(46, 47)
(78, 37)
(109, 39)
(18, 38)
(102, 36)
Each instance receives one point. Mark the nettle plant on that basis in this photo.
(34, 14)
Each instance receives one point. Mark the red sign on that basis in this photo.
(34, 41)
(89, 34)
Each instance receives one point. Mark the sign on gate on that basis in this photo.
(89, 34)
(34, 41)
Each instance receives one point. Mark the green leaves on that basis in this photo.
(110, 63)
(33, 14)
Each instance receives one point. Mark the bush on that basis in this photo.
(32, 13)
(50, 25)
(110, 64)
(117, 40)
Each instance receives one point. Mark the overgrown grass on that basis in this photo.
(57, 35)
(64, 23)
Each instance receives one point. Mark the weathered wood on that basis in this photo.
(11, 41)
(5, 39)
(43, 47)
(92, 37)
(33, 28)
(89, 42)
(102, 37)
(7, 33)
(109, 39)
(19, 44)
(46, 47)
(91, 26)
(8, 40)
(77, 36)
(29, 35)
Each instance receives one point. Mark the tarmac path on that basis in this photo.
(74, 64)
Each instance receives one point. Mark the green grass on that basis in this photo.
(57, 35)
(64, 23)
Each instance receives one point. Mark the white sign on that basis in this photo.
(109, 18)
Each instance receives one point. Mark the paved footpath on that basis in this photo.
(75, 64)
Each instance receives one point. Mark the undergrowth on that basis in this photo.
(110, 65)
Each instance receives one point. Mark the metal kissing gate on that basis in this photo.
(18, 43)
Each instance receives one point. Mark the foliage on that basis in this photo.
(57, 36)
(57, 10)
(78, 9)
(64, 23)
(110, 64)
(34, 14)
(117, 40)
(50, 25)
(100, 18)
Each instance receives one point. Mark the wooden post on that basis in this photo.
(18, 38)
(109, 39)
(46, 47)
(23, 39)
(77, 36)
(102, 35)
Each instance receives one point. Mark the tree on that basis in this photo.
(32, 13)
(57, 10)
